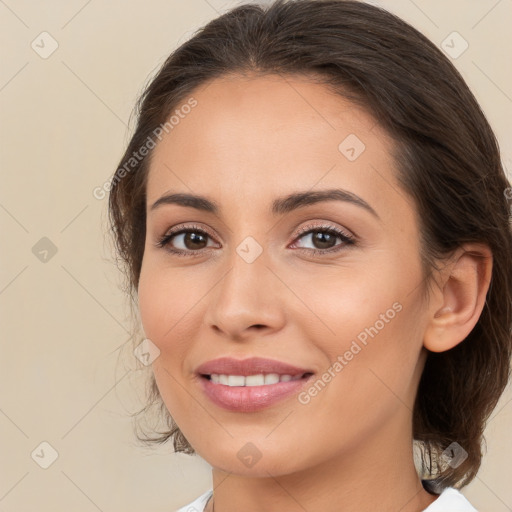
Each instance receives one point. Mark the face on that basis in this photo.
(332, 286)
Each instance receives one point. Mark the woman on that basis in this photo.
(314, 220)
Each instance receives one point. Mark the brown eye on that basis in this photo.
(324, 239)
(193, 240)
(185, 241)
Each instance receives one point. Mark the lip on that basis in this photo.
(250, 366)
(250, 398)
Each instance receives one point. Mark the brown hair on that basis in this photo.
(447, 159)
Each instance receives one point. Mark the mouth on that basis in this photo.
(251, 393)
(249, 385)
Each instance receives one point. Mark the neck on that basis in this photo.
(378, 474)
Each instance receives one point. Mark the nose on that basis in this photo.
(248, 299)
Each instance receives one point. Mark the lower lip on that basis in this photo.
(250, 398)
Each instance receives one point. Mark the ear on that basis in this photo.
(457, 303)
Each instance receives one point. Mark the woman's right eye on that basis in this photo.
(192, 240)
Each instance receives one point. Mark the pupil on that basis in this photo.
(323, 237)
(193, 238)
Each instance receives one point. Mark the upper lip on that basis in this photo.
(251, 366)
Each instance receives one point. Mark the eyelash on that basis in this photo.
(347, 239)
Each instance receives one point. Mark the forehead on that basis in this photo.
(255, 136)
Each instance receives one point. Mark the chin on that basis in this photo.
(250, 459)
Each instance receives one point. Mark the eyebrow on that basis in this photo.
(280, 205)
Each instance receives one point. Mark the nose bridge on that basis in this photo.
(244, 295)
(247, 271)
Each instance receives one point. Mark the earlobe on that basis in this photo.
(457, 305)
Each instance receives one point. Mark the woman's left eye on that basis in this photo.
(325, 237)
(191, 237)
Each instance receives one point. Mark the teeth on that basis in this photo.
(251, 380)
(236, 380)
(271, 378)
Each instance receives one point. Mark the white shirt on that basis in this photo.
(450, 500)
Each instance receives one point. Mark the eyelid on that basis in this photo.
(327, 225)
(189, 227)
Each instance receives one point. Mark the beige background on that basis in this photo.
(63, 130)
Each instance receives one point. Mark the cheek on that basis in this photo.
(171, 305)
(368, 325)
(163, 306)
(343, 303)
(152, 304)
(165, 299)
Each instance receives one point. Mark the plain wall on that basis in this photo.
(64, 126)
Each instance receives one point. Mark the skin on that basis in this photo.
(248, 141)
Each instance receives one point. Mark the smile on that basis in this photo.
(251, 393)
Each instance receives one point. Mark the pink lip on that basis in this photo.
(249, 398)
(250, 366)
